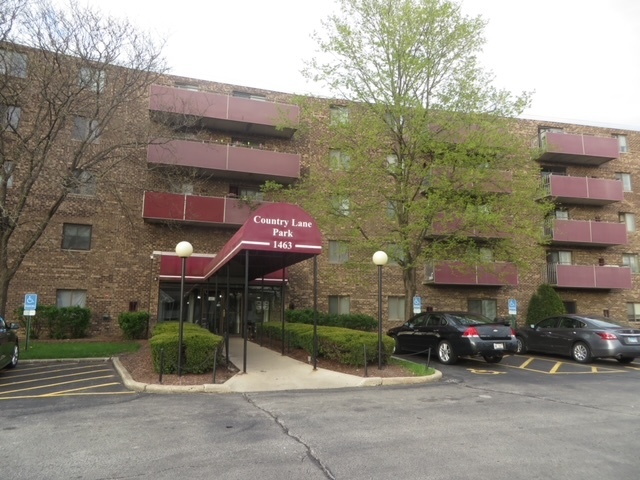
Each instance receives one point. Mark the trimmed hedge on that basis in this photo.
(134, 324)
(365, 323)
(58, 323)
(341, 344)
(200, 348)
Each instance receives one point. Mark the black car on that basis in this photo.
(455, 334)
(582, 337)
(9, 347)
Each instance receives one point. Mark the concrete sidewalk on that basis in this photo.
(271, 371)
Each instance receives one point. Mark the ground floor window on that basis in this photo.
(633, 312)
(396, 309)
(71, 298)
(339, 304)
(487, 307)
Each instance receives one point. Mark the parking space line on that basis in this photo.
(60, 376)
(66, 392)
(526, 364)
(50, 385)
(556, 367)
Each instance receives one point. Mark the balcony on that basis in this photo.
(497, 274)
(194, 210)
(587, 233)
(582, 150)
(588, 276)
(583, 190)
(488, 181)
(442, 227)
(227, 160)
(223, 112)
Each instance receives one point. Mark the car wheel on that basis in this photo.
(522, 346)
(625, 360)
(581, 353)
(446, 354)
(493, 358)
(396, 347)
(14, 357)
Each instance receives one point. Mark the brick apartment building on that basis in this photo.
(216, 144)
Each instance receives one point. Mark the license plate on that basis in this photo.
(632, 339)
(498, 346)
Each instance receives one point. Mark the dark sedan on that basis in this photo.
(454, 334)
(9, 346)
(582, 337)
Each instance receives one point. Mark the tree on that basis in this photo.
(420, 159)
(544, 303)
(70, 78)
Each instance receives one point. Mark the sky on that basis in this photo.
(580, 58)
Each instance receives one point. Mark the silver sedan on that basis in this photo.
(582, 337)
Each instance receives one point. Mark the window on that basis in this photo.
(560, 256)
(338, 160)
(10, 117)
(85, 129)
(92, 79)
(182, 188)
(633, 312)
(338, 251)
(249, 193)
(85, 184)
(629, 219)
(339, 304)
(339, 115)
(631, 260)
(8, 170)
(486, 254)
(71, 298)
(250, 96)
(13, 64)
(396, 308)
(340, 206)
(622, 143)
(187, 86)
(562, 214)
(486, 307)
(395, 254)
(625, 178)
(76, 237)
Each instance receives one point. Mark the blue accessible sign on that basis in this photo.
(30, 304)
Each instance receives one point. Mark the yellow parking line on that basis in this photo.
(556, 367)
(24, 397)
(59, 376)
(64, 392)
(20, 373)
(525, 364)
(54, 384)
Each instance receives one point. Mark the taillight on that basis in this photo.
(513, 332)
(606, 336)
(471, 332)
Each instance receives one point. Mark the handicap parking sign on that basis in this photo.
(30, 304)
(513, 306)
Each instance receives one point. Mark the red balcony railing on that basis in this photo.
(570, 149)
(583, 190)
(588, 276)
(225, 112)
(193, 209)
(588, 233)
(231, 161)
(443, 226)
(456, 273)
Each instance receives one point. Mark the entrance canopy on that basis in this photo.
(274, 237)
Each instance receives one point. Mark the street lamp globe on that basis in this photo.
(380, 258)
(184, 249)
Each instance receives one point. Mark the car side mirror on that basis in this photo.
(14, 326)
(532, 326)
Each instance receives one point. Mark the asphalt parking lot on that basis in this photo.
(61, 379)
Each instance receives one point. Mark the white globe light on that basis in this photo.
(380, 258)
(184, 249)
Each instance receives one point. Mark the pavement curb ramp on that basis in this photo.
(132, 384)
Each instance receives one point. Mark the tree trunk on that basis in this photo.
(409, 279)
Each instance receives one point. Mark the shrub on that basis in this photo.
(200, 348)
(544, 303)
(362, 322)
(134, 324)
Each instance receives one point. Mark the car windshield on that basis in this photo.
(469, 318)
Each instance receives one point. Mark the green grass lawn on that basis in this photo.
(417, 369)
(76, 349)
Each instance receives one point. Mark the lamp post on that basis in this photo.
(184, 251)
(380, 259)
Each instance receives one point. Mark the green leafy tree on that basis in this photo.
(544, 303)
(421, 161)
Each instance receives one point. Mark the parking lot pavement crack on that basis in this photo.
(310, 452)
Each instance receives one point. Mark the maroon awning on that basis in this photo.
(274, 237)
